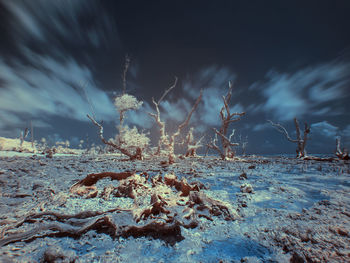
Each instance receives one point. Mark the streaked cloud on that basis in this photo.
(308, 91)
(45, 75)
(324, 128)
(53, 90)
(261, 126)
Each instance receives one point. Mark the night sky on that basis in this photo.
(286, 59)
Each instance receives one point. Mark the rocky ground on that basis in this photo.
(253, 209)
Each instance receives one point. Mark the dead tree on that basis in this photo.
(137, 155)
(342, 154)
(301, 142)
(181, 127)
(32, 134)
(22, 137)
(244, 143)
(191, 144)
(226, 119)
(167, 142)
(129, 142)
(164, 138)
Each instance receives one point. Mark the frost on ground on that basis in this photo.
(104, 209)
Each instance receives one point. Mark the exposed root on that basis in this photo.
(173, 204)
(86, 186)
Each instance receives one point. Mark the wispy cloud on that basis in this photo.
(261, 126)
(346, 132)
(140, 117)
(308, 91)
(61, 21)
(54, 90)
(324, 128)
(44, 77)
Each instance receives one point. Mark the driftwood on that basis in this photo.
(173, 204)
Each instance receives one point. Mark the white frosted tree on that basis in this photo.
(129, 141)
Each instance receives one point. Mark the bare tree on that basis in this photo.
(22, 137)
(226, 119)
(191, 144)
(182, 126)
(129, 141)
(341, 153)
(243, 142)
(167, 142)
(163, 139)
(32, 134)
(301, 142)
(134, 153)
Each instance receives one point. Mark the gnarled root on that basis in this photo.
(173, 203)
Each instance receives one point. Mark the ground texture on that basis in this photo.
(105, 209)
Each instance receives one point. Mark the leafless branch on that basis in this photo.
(282, 130)
(226, 119)
(187, 120)
(136, 155)
(341, 154)
(301, 142)
(227, 140)
(125, 71)
(213, 145)
(167, 91)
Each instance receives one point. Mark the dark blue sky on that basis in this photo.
(286, 59)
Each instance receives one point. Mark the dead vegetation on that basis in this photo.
(166, 142)
(342, 154)
(172, 204)
(300, 141)
(227, 118)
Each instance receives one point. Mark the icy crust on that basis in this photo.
(283, 209)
